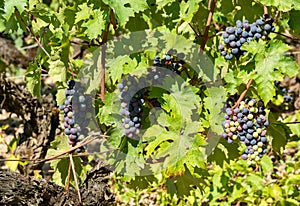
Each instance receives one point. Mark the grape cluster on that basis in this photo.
(247, 123)
(75, 107)
(133, 89)
(285, 92)
(172, 61)
(235, 37)
(131, 106)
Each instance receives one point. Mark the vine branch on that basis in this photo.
(212, 4)
(243, 93)
(31, 33)
(75, 177)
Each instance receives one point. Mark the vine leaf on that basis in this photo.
(126, 8)
(284, 6)
(188, 9)
(57, 69)
(294, 127)
(96, 25)
(9, 7)
(182, 185)
(84, 13)
(120, 65)
(266, 164)
(182, 100)
(33, 79)
(214, 104)
(280, 133)
(270, 65)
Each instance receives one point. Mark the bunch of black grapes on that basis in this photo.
(243, 32)
(288, 94)
(75, 108)
(132, 102)
(133, 90)
(172, 61)
(247, 124)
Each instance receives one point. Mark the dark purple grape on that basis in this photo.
(231, 37)
(244, 156)
(223, 53)
(221, 47)
(228, 56)
(226, 41)
(234, 50)
(225, 35)
(230, 30)
(267, 27)
(232, 44)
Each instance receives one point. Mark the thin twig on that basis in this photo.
(217, 34)
(209, 18)
(81, 144)
(102, 64)
(84, 43)
(31, 33)
(75, 177)
(292, 123)
(196, 33)
(68, 178)
(289, 37)
(60, 157)
(266, 10)
(243, 93)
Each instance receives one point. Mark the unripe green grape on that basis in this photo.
(255, 134)
(251, 103)
(232, 129)
(250, 116)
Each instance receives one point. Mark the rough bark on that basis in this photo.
(40, 121)
(17, 189)
(11, 55)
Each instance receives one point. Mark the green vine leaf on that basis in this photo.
(284, 6)
(9, 7)
(84, 13)
(124, 12)
(96, 25)
(182, 101)
(188, 9)
(57, 69)
(270, 65)
(33, 79)
(214, 104)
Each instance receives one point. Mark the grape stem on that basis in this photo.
(287, 36)
(75, 177)
(68, 178)
(265, 9)
(292, 122)
(61, 157)
(31, 33)
(196, 33)
(243, 93)
(212, 4)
